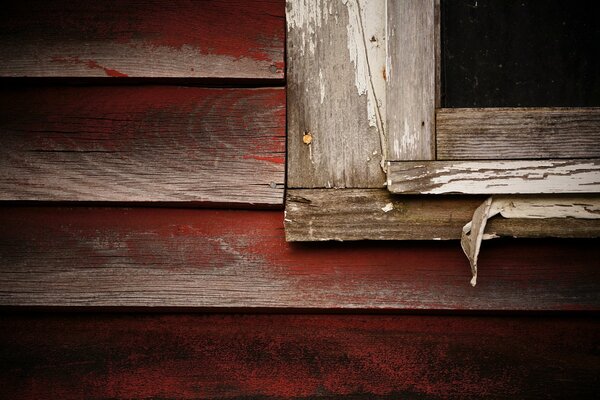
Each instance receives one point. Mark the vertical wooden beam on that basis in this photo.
(411, 88)
(336, 93)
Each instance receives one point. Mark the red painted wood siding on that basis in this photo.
(190, 356)
(143, 38)
(53, 256)
(143, 144)
(73, 257)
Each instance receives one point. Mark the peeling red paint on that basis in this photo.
(272, 159)
(109, 72)
(253, 30)
(91, 64)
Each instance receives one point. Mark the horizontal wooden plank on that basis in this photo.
(107, 257)
(495, 177)
(376, 214)
(297, 356)
(517, 133)
(143, 38)
(151, 144)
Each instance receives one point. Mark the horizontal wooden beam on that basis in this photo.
(227, 259)
(376, 214)
(142, 144)
(217, 356)
(517, 133)
(495, 177)
(147, 38)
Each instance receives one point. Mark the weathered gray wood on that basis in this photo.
(495, 177)
(336, 93)
(142, 144)
(438, 53)
(143, 39)
(319, 215)
(517, 133)
(411, 89)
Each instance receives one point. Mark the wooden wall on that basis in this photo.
(142, 251)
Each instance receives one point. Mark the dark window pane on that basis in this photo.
(526, 53)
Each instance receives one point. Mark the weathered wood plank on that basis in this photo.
(143, 38)
(179, 356)
(151, 144)
(495, 177)
(336, 92)
(411, 87)
(215, 259)
(517, 133)
(319, 215)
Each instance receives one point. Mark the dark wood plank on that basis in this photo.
(495, 177)
(376, 214)
(297, 356)
(143, 38)
(411, 80)
(336, 93)
(517, 133)
(73, 257)
(151, 144)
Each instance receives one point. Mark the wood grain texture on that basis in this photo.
(150, 144)
(495, 177)
(143, 38)
(226, 259)
(517, 133)
(297, 356)
(411, 87)
(336, 92)
(321, 214)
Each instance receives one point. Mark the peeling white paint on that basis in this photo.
(307, 15)
(367, 49)
(521, 207)
(321, 85)
(387, 208)
(505, 177)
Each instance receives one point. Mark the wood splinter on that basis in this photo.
(584, 207)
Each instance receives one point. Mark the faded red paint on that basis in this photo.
(128, 118)
(251, 29)
(519, 275)
(109, 72)
(296, 356)
(271, 159)
(91, 64)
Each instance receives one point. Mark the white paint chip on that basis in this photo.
(387, 208)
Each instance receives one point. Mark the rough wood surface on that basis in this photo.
(72, 257)
(495, 177)
(216, 356)
(336, 93)
(517, 133)
(151, 144)
(411, 75)
(143, 38)
(319, 215)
